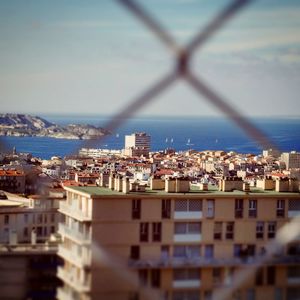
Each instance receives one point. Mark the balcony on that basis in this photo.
(74, 212)
(176, 262)
(72, 281)
(191, 215)
(187, 237)
(73, 234)
(187, 283)
(73, 256)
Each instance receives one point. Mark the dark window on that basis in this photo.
(143, 276)
(45, 231)
(218, 231)
(209, 251)
(271, 230)
(165, 252)
(136, 208)
(155, 278)
(217, 279)
(39, 231)
(259, 230)
(52, 218)
(229, 230)
(271, 275)
(252, 208)
(144, 230)
(25, 231)
(135, 252)
(26, 218)
(156, 232)
(52, 229)
(210, 208)
(280, 208)
(166, 209)
(6, 219)
(239, 208)
(259, 277)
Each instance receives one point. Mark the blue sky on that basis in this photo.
(94, 56)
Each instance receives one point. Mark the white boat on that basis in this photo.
(189, 143)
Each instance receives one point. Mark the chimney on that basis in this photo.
(203, 186)
(246, 187)
(125, 187)
(156, 183)
(111, 181)
(282, 185)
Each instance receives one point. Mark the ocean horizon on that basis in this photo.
(180, 133)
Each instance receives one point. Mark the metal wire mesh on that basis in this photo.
(182, 70)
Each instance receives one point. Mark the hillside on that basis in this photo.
(28, 125)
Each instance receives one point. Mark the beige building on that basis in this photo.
(291, 159)
(137, 144)
(177, 246)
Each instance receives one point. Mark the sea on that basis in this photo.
(179, 133)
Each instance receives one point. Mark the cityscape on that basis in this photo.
(150, 150)
(154, 225)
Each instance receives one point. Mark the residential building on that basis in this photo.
(137, 144)
(176, 243)
(291, 159)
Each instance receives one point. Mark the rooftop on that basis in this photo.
(213, 191)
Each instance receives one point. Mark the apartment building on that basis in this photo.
(291, 159)
(137, 144)
(176, 245)
(29, 220)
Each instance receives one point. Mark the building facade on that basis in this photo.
(137, 144)
(159, 245)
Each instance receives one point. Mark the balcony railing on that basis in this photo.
(72, 256)
(202, 262)
(74, 212)
(74, 234)
(72, 281)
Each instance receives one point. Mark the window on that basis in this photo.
(156, 232)
(155, 278)
(25, 218)
(144, 230)
(143, 276)
(209, 251)
(45, 231)
(218, 231)
(25, 232)
(187, 228)
(208, 295)
(166, 208)
(252, 208)
(217, 279)
(6, 219)
(239, 208)
(186, 274)
(135, 252)
(165, 252)
(52, 229)
(39, 231)
(271, 275)
(187, 251)
(186, 295)
(259, 277)
(40, 218)
(210, 208)
(259, 230)
(229, 230)
(250, 294)
(271, 230)
(45, 218)
(136, 209)
(280, 208)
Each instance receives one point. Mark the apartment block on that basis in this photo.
(173, 246)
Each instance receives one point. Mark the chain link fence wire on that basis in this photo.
(182, 57)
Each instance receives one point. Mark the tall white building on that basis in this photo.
(137, 144)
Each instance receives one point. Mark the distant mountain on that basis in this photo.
(27, 125)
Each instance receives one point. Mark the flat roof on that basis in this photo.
(213, 191)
